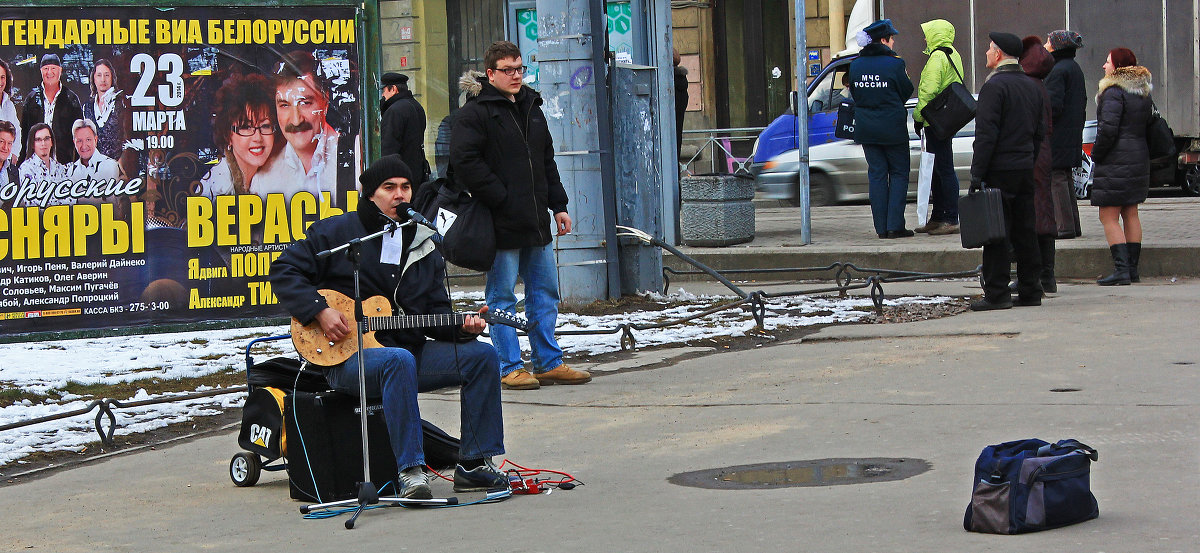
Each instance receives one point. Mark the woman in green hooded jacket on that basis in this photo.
(943, 68)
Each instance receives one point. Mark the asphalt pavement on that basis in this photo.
(1116, 368)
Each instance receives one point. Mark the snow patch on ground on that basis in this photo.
(45, 368)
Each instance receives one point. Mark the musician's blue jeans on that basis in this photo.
(395, 375)
(535, 265)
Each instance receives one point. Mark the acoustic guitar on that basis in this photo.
(311, 343)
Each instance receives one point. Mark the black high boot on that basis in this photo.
(1135, 254)
(1046, 247)
(1120, 276)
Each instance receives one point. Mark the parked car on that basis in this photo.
(838, 170)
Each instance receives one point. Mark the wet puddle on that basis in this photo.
(816, 472)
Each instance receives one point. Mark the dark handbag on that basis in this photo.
(1031, 485)
(1159, 136)
(981, 218)
(468, 238)
(951, 110)
(844, 127)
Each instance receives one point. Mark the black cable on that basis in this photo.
(463, 421)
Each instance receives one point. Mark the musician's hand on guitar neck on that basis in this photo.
(475, 324)
(334, 325)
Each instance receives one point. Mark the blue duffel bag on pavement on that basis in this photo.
(1031, 485)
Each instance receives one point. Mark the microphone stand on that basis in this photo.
(367, 493)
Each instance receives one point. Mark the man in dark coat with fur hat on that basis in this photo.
(1009, 126)
(402, 125)
(405, 268)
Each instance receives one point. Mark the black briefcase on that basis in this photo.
(981, 218)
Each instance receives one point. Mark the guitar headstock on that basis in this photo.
(505, 318)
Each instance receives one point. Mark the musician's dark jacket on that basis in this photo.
(416, 289)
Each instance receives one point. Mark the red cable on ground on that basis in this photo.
(525, 480)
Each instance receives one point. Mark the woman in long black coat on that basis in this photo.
(1122, 160)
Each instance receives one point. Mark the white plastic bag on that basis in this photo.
(924, 182)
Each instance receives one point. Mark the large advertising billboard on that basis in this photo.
(155, 161)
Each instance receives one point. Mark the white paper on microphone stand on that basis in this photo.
(924, 181)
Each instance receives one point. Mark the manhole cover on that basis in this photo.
(817, 472)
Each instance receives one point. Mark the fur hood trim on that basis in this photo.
(471, 82)
(1134, 80)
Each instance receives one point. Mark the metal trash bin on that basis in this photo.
(716, 210)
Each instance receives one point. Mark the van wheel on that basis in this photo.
(820, 190)
(1190, 182)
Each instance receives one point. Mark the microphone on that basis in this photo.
(420, 219)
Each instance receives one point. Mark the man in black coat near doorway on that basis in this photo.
(402, 125)
(1009, 126)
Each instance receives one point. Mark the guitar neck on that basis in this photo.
(414, 321)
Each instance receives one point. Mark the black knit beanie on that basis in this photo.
(383, 169)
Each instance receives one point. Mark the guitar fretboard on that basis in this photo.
(414, 321)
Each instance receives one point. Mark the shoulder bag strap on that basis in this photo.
(946, 51)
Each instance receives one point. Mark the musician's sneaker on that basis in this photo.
(483, 478)
(414, 484)
(563, 374)
(519, 379)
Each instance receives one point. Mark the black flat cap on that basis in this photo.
(50, 59)
(393, 79)
(1008, 43)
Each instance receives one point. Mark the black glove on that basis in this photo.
(976, 184)
(917, 125)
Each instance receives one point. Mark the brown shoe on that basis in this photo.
(944, 229)
(519, 379)
(563, 374)
(928, 227)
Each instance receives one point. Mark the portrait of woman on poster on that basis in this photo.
(8, 110)
(107, 109)
(41, 165)
(246, 133)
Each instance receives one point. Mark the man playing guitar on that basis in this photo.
(405, 268)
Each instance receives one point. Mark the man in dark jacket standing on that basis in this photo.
(880, 86)
(405, 268)
(55, 105)
(402, 125)
(501, 150)
(1009, 126)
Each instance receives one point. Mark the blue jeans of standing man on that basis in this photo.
(396, 375)
(535, 265)
(887, 175)
(943, 193)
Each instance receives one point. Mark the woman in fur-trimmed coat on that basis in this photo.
(1122, 160)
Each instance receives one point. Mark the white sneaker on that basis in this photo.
(414, 484)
